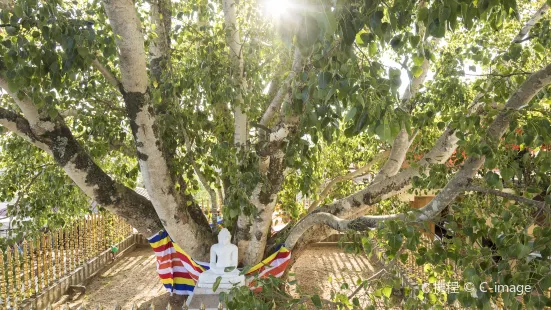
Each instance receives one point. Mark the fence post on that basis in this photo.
(95, 235)
(46, 242)
(65, 249)
(9, 265)
(81, 245)
(16, 274)
(72, 254)
(3, 281)
(26, 283)
(32, 259)
(89, 238)
(58, 263)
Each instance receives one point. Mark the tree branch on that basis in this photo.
(21, 127)
(400, 147)
(460, 181)
(531, 23)
(27, 107)
(236, 56)
(501, 75)
(349, 176)
(212, 193)
(283, 91)
(180, 221)
(107, 74)
(361, 223)
(94, 182)
(509, 196)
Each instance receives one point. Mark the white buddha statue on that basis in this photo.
(223, 263)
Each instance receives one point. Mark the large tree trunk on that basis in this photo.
(183, 224)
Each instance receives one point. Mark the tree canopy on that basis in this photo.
(347, 103)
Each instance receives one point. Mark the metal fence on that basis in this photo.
(31, 266)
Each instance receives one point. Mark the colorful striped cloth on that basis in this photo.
(179, 272)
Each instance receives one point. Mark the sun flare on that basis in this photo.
(276, 8)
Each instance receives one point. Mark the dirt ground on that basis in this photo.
(133, 280)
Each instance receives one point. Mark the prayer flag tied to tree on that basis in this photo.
(179, 272)
(355, 105)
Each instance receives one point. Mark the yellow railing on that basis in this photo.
(31, 266)
(135, 307)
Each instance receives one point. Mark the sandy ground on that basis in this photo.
(132, 280)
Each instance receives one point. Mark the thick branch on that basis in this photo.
(94, 182)
(349, 176)
(509, 196)
(107, 74)
(283, 91)
(235, 46)
(29, 110)
(159, 49)
(397, 156)
(531, 23)
(21, 127)
(460, 181)
(362, 223)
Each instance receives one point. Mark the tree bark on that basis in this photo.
(183, 224)
(531, 23)
(349, 176)
(235, 47)
(59, 143)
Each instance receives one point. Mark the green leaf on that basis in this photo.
(507, 173)
(372, 49)
(316, 300)
(539, 48)
(18, 11)
(520, 250)
(396, 42)
(52, 112)
(82, 51)
(11, 30)
(416, 71)
(545, 283)
(423, 14)
(350, 115)
(216, 284)
(443, 13)
(492, 179)
(323, 79)
(418, 59)
(387, 291)
(469, 272)
(395, 241)
(414, 40)
(376, 19)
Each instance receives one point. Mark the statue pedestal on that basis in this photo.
(203, 293)
(205, 296)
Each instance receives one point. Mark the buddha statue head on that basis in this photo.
(224, 237)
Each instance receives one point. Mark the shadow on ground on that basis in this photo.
(133, 280)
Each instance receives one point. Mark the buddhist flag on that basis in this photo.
(179, 272)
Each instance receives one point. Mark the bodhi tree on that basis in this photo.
(349, 103)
